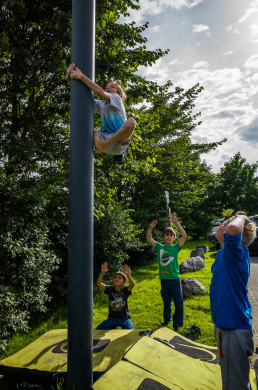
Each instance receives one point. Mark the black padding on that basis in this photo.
(190, 349)
(151, 384)
(61, 347)
(99, 345)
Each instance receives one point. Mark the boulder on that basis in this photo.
(192, 286)
(192, 265)
(198, 252)
(204, 247)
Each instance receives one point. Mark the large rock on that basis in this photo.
(192, 286)
(198, 252)
(192, 265)
(204, 247)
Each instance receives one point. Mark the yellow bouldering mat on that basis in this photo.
(126, 376)
(46, 357)
(188, 347)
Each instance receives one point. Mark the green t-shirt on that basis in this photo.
(168, 260)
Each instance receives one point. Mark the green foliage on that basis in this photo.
(34, 152)
(26, 258)
(115, 234)
(237, 186)
(227, 213)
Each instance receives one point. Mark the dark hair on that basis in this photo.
(169, 229)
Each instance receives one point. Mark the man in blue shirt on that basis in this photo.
(230, 306)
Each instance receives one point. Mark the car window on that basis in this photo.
(254, 219)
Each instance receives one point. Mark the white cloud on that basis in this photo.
(253, 9)
(227, 107)
(254, 29)
(228, 53)
(252, 62)
(173, 62)
(157, 7)
(199, 28)
(158, 72)
(155, 29)
(200, 65)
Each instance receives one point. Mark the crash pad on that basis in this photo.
(46, 357)
(158, 365)
(124, 376)
(186, 346)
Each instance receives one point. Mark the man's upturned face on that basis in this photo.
(219, 232)
(221, 229)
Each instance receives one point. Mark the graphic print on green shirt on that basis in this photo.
(168, 260)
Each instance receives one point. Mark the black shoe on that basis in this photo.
(119, 157)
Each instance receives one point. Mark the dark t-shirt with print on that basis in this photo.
(118, 301)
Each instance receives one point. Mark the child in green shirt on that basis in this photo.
(169, 270)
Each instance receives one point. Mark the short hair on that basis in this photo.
(169, 229)
(121, 274)
(249, 233)
(120, 90)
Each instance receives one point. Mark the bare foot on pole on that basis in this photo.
(98, 143)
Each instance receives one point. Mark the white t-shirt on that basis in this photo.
(112, 113)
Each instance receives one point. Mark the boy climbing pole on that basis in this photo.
(115, 135)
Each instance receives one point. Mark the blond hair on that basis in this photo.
(120, 90)
(249, 233)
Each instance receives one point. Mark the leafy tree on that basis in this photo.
(34, 129)
(26, 260)
(237, 185)
(34, 149)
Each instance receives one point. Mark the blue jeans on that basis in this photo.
(113, 323)
(171, 290)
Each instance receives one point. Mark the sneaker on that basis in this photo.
(119, 157)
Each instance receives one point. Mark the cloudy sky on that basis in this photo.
(215, 43)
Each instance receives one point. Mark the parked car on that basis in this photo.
(253, 248)
(211, 235)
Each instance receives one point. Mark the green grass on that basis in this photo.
(145, 304)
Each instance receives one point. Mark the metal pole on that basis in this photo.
(81, 187)
(167, 207)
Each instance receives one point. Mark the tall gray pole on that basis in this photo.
(167, 207)
(80, 248)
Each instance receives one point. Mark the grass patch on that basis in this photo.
(145, 304)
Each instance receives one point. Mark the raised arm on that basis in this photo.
(183, 234)
(152, 226)
(104, 270)
(236, 225)
(75, 73)
(127, 272)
